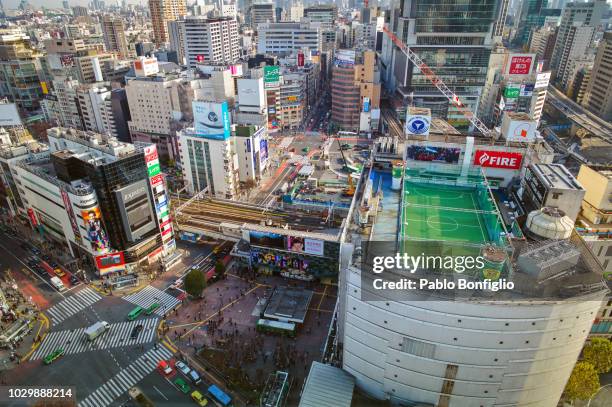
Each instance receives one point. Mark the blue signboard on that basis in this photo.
(211, 120)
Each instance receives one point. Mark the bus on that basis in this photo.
(223, 398)
(135, 313)
(347, 134)
(283, 328)
(152, 308)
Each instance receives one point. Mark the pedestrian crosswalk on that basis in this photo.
(150, 295)
(126, 378)
(73, 304)
(75, 341)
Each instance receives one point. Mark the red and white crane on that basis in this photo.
(438, 83)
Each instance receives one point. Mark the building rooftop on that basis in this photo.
(556, 176)
(287, 304)
(327, 386)
(99, 147)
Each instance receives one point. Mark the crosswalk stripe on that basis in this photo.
(149, 295)
(126, 378)
(72, 305)
(117, 336)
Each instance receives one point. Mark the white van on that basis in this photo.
(57, 283)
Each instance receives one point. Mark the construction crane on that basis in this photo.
(438, 83)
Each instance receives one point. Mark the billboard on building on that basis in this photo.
(135, 210)
(9, 116)
(212, 120)
(498, 159)
(73, 222)
(110, 262)
(527, 90)
(366, 105)
(344, 57)
(251, 92)
(271, 74)
(518, 128)
(542, 80)
(95, 230)
(300, 58)
(305, 245)
(267, 239)
(417, 124)
(512, 91)
(520, 64)
(263, 150)
(447, 155)
(236, 70)
(144, 66)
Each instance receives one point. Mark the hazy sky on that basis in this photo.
(58, 3)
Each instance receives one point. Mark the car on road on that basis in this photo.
(199, 398)
(164, 367)
(74, 280)
(195, 377)
(59, 272)
(135, 331)
(53, 356)
(184, 387)
(182, 366)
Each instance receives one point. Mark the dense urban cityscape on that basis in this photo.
(304, 203)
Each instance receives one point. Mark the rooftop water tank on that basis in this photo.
(550, 223)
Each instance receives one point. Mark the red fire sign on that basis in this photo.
(498, 159)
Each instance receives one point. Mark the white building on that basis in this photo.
(251, 102)
(211, 40)
(288, 38)
(251, 145)
(214, 83)
(296, 12)
(62, 107)
(578, 40)
(208, 165)
(96, 109)
(325, 14)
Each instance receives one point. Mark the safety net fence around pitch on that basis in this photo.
(445, 208)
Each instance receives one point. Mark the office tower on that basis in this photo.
(211, 40)
(104, 110)
(355, 87)
(326, 14)
(454, 43)
(599, 90)
(114, 35)
(176, 39)
(529, 18)
(163, 11)
(296, 12)
(572, 40)
(578, 39)
(542, 43)
(80, 11)
(287, 37)
(261, 13)
(20, 70)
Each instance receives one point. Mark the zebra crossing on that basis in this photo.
(126, 378)
(150, 295)
(75, 341)
(72, 305)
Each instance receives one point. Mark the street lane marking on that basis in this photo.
(149, 295)
(72, 305)
(162, 394)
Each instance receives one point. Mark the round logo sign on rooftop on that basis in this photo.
(418, 125)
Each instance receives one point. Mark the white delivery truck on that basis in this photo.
(57, 283)
(96, 330)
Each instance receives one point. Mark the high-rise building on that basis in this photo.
(20, 70)
(262, 13)
(104, 110)
(573, 37)
(176, 39)
(296, 12)
(355, 89)
(578, 39)
(542, 43)
(325, 14)
(455, 43)
(80, 11)
(163, 11)
(211, 40)
(599, 90)
(114, 35)
(530, 17)
(157, 100)
(287, 38)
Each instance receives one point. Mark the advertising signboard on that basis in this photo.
(498, 159)
(300, 59)
(70, 212)
(418, 124)
(111, 262)
(32, 217)
(95, 230)
(236, 70)
(520, 64)
(212, 120)
(518, 130)
(511, 92)
(271, 74)
(153, 169)
(135, 210)
(263, 150)
(157, 180)
(267, 239)
(542, 80)
(527, 89)
(434, 154)
(144, 66)
(345, 57)
(305, 245)
(366, 105)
